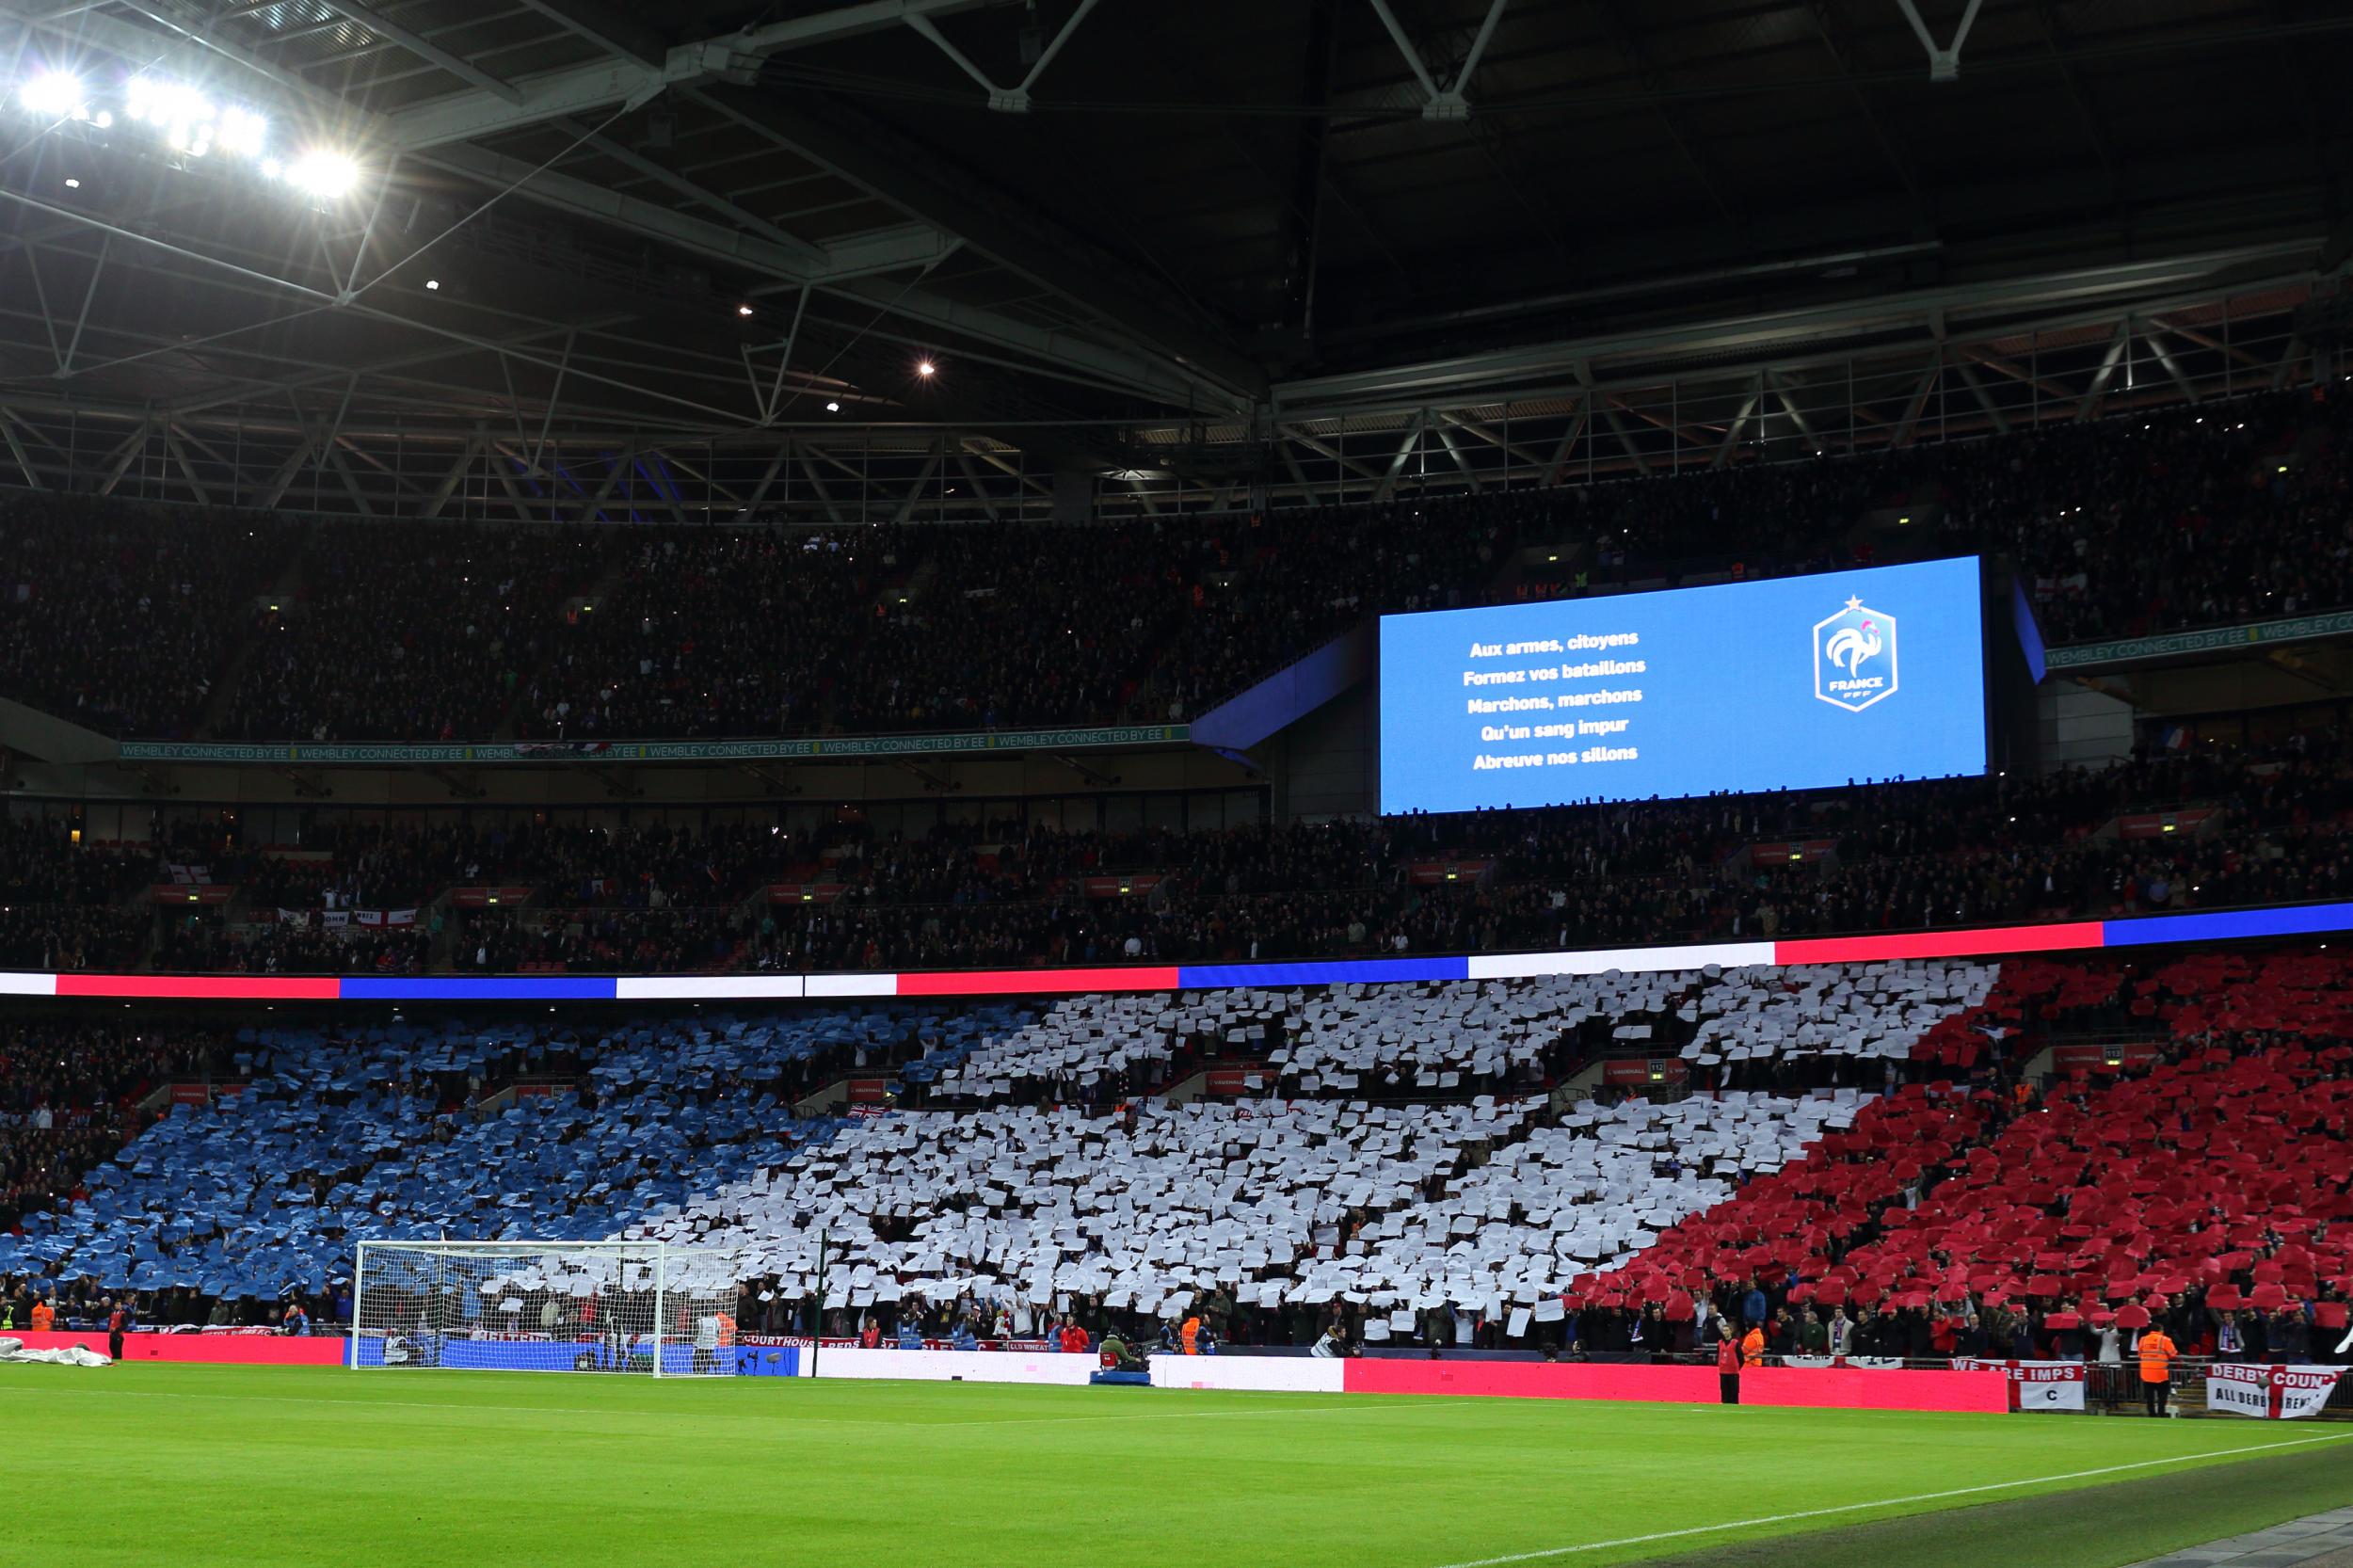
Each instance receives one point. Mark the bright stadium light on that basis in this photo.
(57, 94)
(242, 130)
(926, 368)
(180, 114)
(323, 174)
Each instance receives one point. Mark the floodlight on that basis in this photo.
(926, 368)
(242, 130)
(323, 174)
(833, 408)
(59, 94)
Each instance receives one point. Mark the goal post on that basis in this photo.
(630, 1308)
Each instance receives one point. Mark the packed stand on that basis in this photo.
(1942, 1209)
(269, 943)
(2221, 512)
(401, 633)
(406, 1129)
(714, 634)
(2203, 1186)
(414, 1129)
(1282, 1219)
(1024, 625)
(1905, 857)
(121, 616)
(70, 1090)
(2173, 831)
(65, 906)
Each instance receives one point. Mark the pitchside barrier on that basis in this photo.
(2257, 1391)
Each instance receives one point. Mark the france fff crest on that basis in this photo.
(1855, 657)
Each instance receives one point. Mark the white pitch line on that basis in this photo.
(1883, 1502)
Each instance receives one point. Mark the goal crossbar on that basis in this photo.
(548, 1304)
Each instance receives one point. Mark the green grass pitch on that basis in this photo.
(205, 1468)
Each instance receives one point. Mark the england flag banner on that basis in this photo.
(2034, 1384)
(2271, 1393)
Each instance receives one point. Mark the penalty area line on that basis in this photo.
(1883, 1502)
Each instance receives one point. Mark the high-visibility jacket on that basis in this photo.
(2156, 1356)
(44, 1316)
(1752, 1347)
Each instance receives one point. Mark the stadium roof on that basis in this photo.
(1198, 245)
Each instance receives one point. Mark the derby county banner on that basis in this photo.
(2273, 1393)
(2036, 1385)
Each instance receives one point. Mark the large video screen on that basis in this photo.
(1796, 684)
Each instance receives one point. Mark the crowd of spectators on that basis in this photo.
(121, 616)
(271, 944)
(664, 892)
(1906, 856)
(712, 632)
(404, 633)
(2060, 1162)
(69, 1088)
(1881, 1280)
(2213, 513)
(63, 906)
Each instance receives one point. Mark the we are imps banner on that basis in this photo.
(2036, 1385)
(2272, 1393)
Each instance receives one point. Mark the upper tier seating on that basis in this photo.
(2226, 512)
(624, 896)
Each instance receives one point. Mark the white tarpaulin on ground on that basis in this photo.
(73, 1355)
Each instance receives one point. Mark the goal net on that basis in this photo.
(545, 1306)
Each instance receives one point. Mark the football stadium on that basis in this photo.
(1105, 784)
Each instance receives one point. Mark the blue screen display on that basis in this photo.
(1800, 682)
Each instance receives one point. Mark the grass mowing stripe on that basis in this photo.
(1360, 1406)
(1764, 1520)
(293, 1469)
(2105, 1526)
